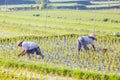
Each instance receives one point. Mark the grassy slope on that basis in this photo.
(25, 22)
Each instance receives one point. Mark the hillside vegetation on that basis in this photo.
(70, 4)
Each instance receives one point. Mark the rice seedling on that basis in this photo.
(58, 42)
(65, 55)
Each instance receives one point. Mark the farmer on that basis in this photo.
(29, 48)
(83, 41)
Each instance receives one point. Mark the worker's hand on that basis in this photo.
(19, 55)
(94, 49)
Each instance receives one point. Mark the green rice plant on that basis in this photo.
(66, 57)
(41, 78)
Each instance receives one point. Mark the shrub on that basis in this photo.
(36, 14)
(106, 19)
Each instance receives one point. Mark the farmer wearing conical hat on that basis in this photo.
(29, 48)
(83, 41)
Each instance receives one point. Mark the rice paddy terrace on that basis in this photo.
(57, 38)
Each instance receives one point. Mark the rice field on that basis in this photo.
(62, 52)
(58, 41)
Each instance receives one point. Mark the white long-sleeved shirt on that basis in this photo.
(29, 45)
(87, 40)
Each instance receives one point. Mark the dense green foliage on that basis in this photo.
(67, 4)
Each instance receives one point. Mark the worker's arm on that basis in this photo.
(23, 52)
(94, 47)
